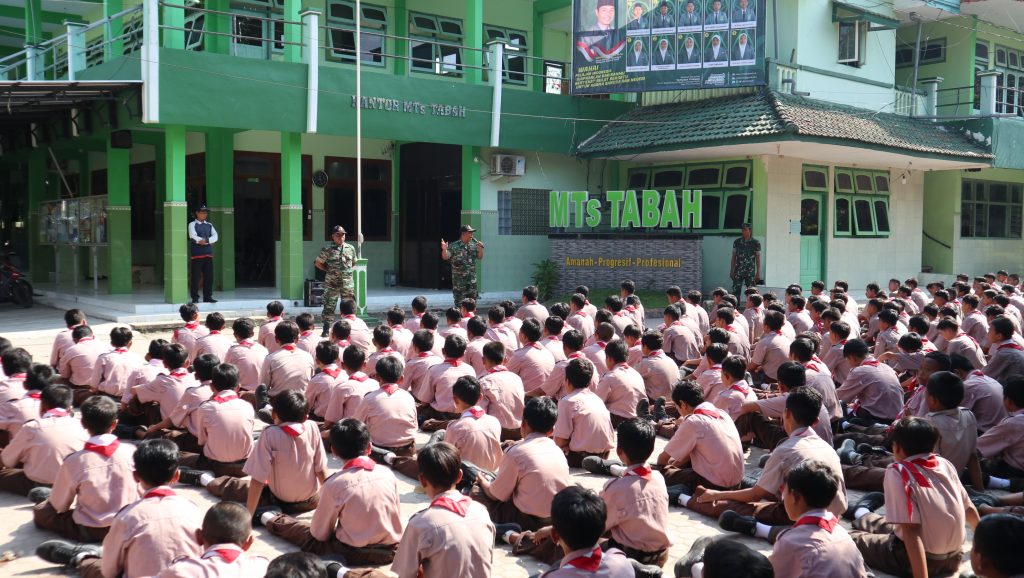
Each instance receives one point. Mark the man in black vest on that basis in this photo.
(201, 236)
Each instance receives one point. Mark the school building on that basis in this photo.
(859, 160)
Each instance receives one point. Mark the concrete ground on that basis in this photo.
(34, 329)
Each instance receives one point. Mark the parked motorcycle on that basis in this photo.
(14, 286)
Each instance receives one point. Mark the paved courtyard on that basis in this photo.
(34, 330)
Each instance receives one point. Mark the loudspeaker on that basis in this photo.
(121, 139)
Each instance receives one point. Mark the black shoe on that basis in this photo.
(501, 529)
(334, 564)
(258, 514)
(980, 499)
(750, 480)
(39, 495)
(378, 454)
(847, 455)
(660, 414)
(732, 522)
(684, 566)
(872, 501)
(190, 477)
(596, 465)
(643, 408)
(266, 416)
(864, 449)
(675, 491)
(63, 552)
(436, 437)
(262, 396)
(761, 463)
(327, 331)
(645, 570)
(472, 472)
(210, 300)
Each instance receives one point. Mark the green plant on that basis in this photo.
(545, 277)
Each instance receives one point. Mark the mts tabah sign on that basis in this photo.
(625, 210)
(649, 45)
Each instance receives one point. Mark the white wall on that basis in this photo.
(780, 257)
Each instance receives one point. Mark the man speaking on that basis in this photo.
(463, 255)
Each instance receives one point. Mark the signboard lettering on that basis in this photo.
(629, 209)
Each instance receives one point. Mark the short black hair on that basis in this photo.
(290, 405)
(997, 538)
(347, 306)
(531, 292)
(341, 329)
(792, 375)
(327, 352)
(804, 404)
(453, 315)
(16, 360)
(1013, 390)
(73, 317)
(305, 321)
(729, 558)
(440, 464)
(636, 439)
(476, 327)
(120, 336)
(203, 366)
(531, 330)
(275, 308)
(573, 340)
(423, 341)
(99, 412)
(919, 324)
(382, 335)
(188, 312)
(156, 348)
(396, 316)
(297, 565)
(419, 303)
(80, 332)
(215, 321)
(688, 392)
(888, 316)
(349, 439)
(605, 332)
(947, 388)
(560, 310)
(540, 414)
(840, 328)
(915, 435)
(652, 340)
(617, 351)
(39, 376)
(583, 290)
(454, 346)
(494, 351)
(579, 516)
(756, 299)
(554, 324)
(156, 461)
(353, 359)
(674, 291)
(958, 362)
(227, 523)
(941, 360)
(735, 366)
(389, 369)
(802, 349)
(1002, 326)
(613, 303)
(286, 332)
(815, 481)
(469, 304)
(694, 297)
(57, 396)
(856, 348)
(632, 330)
(467, 390)
(579, 372)
(243, 327)
(717, 352)
(727, 314)
(496, 314)
(225, 377)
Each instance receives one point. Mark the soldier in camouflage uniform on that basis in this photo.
(746, 261)
(463, 255)
(338, 260)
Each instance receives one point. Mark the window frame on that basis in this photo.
(814, 168)
(520, 52)
(853, 183)
(854, 196)
(856, 61)
(981, 197)
(329, 199)
(438, 40)
(908, 50)
(369, 26)
(697, 167)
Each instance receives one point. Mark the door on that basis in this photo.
(430, 185)
(811, 240)
(257, 216)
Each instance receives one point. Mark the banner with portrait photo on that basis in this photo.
(649, 45)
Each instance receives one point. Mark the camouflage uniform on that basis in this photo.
(339, 261)
(462, 256)
(746, 265)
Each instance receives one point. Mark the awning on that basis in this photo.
(846, 12)
(25, 102)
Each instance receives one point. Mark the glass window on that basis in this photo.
(1012, 58)
(437, 44)
(710, 212)
(341, 32)
(810, 220)
(667, 179)
(703, 177)
(844, 182)
(340, 197)
(862, 216)
(849, 43)
(981, 51)
(842, 216)
(881, 216)
(737, 176)
(1001, 56)
(815, 179)
(863, 183)
(735, 211)
(638, 180)
(882, 183)
(990, 210)
(905, 56)
(933, 51)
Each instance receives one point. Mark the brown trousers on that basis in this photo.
(770, 513)
(201, 462)
(146, 413)
(507, 512)
(232, 489)
(686, 476)
(667, 429)
(295, 532)
(884, 552)
(617, 420)
(548, 552)
(1000, 469)
(511, 434)
(90, 568)
(79, 393)
(575, 459)
(63, 523)
(657, 558)
(15, 481)
(869, 475)
(767, 434)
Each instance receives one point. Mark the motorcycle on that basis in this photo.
(14, 286)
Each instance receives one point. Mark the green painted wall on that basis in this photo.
(941, 220)
(957, 70)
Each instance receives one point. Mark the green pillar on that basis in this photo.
(219, 23)
(474, 30)
(291, 216)
(401, 44)
(119, 220)
(471, 196)
(175, 216)
(34, 22)
(36, 189)
(537, 50)
(292, 32)
(220, 195)
(173, 18)
(160, 182)
(113, 30)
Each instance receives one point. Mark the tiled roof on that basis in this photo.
(721, 121)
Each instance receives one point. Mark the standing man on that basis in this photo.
(746, 261)
(463, 255)
(202, 236)
(338, 260)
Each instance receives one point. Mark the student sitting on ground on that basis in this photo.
(578, 521)
(584, 426)
(994, 553)
(224, 426)
(503, 395)
(347, 395)
(328, 376)
(226, 537)
(1002, 446)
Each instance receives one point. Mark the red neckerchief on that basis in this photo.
(362, 463)
(909, 469)
(21, 376)
(641, 471)
(56, 412)
(274, 319)
(575, 355)
(191, 326)
(631, 308)
(34, 394)
(161, 492)
(656, 353)
(288, 347)
(622, 365)
(306, 333)
(812, 366)
(425, 354)
(457, 506)
(247, 343)
(532, 303)
(359, 376)
(535, 345)
(225, 396)
(294, 428)
(870, 362)
(601, 344)
(215, 332)
(468, 316)
(581, 313)
(588, 563)
(676, 323)
(103, 450)
(476, 412)
(962, 334)
(389, 388)
(708, 412)
(978, 373)
(178, 373)
(385, 351)
(84, 339)
(554, 337)
(737, 387)
(827, 523)
(120, 350)
(229, 555)
(343, 343)
(452, 361)
(332, 370)
(497, 369)
(1011, 346)
(351, 316)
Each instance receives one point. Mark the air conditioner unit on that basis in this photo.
(508, 165)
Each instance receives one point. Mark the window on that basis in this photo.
(990, 210)
(524, 212)
(726, 199)
(257, 27)
(932, 51)
(815, 178)
(850, 43)
(341, 35)
(504, 212)
(514, 63)
(435, 44)
(861, 203)
(1001, 55)
(981, 51)
(340, 197)
(554, 73)
(194, 24)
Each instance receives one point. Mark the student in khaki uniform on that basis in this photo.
(838, 333)
(958, 342)
(754, 312)
(739, 343)
(498, 331)
(78, 363)
(15, 363)
(621, 388)
(114, 368)
(503, 395)
(467, 310)
(735, 390)
(476, 328)
(62, 341)
(308, 337)
(422, 358)
(579, 517)
(360, 334)
(181, 426)
(287, 467)
(224, 426)
(401, 338)
(1002, 446)
(803, 350)
(584, 427)
(679, 341)
(659, 372)
(530, 308)
(762, 417)
(36, 452)
(873, 385)
(926, 509)
(1006, 356)
(347, 395)
(389, 412)
(328, 376)
(974, 321)
(454, 535)
(359, 515)
(771, 350)
(453, 317)
(573, 348)
(418, 307)
(579, 319)
(146, 536)
(631, 335)
(552, 341)
(532, 472)
(994, 551)
(286, 368)
(475, 434)
(438, 406)
(621, 319)
(982, 394)
(14, 413)
(192, 331)
(532, 362)
(226, 537)
(604, 335)
(216, 341)
(275, 312)
(382, 348)
(165, 390)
